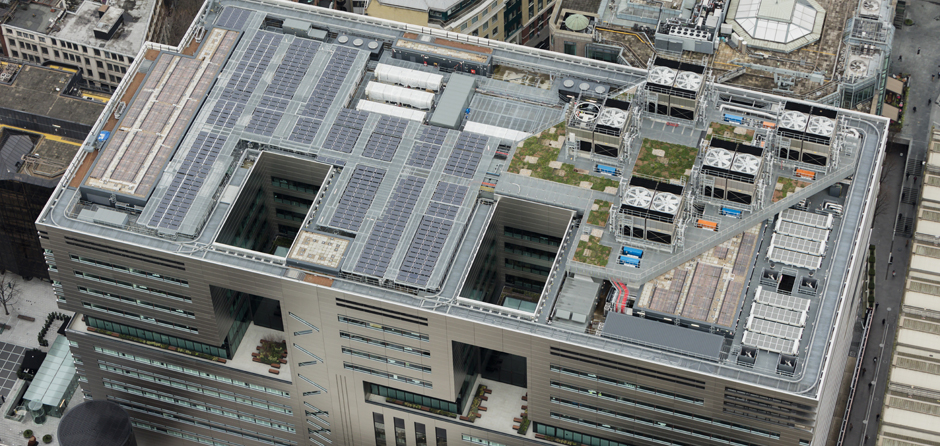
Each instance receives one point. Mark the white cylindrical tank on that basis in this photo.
(399, 95)
(408, 77)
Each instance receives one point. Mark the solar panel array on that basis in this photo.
(329, 160)
(345, 131)
(384, 141)
(187, 181)
(281, 90)
(775, 329)
(323, 94)
(387, 232)
(233, 18)
(777, 314)
(803, 245)
(770, 343)
(357, 197)
(781, 300)
(441, 210)
(807, 218)
(801, 231)
(449, 193)
(234, 97)
(424, 251)
(466, 155)
(797, 259)
(427, 146)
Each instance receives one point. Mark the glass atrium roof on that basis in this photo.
(780, 21)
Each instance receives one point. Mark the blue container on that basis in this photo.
(633, 252)
(731, 212)
(632, 261)
(607, 170)
(734, 118)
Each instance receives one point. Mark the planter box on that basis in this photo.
(283, 361)
(222, 360)
(517, 420)
(482, 409)
(276, 365)
(463, 418)
(525, 407)
(92, 329)
(254, 354)
(485, 398)
(274, 371)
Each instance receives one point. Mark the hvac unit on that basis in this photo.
(746, 163)
(665, 202)
(719, 158)
(688, 80)
(821, 125)
(639, 197)
(793, 120)
(662, 76)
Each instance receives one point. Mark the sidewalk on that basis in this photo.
(36, 300)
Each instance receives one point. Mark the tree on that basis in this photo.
(9, 291)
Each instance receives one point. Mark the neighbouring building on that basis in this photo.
(100, 40)
(42, 124)
(306, 227)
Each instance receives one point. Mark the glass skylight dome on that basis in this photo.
(779, 21)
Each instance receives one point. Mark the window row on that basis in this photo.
(597, 441)
(194, 372)
(149, 335)
(626, 385)
(648, 422)
(381, 343)
(384, 328)
(205, 424)
(387, 360)
(196, 388)
(387, 375)
(140, 317)
(173, 432)
(138, 302)
(135, 271)
(198, 405)
(663, 409)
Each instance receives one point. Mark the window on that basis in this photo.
(54, 43)
(384, 328)
(84, 49)
(474, 19)
(401, 438)
(476, 440)
(463, 26)
(386, 375)
(626, 385)
(137, 302)
(45, 51)
(571, 48)
(440, 436)
(378, 420)
(129, 270)
(140, 317)
(383, 343)
(133, 286)
(387, 360)
(96, 52)
(421, 437)
(101, 75)
(414, 398)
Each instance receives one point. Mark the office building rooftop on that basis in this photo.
(688, 222)
(119, 26)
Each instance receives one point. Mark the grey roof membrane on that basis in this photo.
(664, 335)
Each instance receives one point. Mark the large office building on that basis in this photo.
(349, 232)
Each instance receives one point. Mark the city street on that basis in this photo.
(903, 172)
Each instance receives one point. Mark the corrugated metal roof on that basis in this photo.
(666, 335)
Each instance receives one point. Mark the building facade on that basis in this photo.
(273, 264)
(99, 41)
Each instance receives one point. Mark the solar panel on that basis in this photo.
(793, 258)
(252, 66)
(341, 139)
(225, 113)
(188, 181)
(441, 210)
(333, 161)
(801, 231)
(357, 197)
(381, 147)
(305, 130)
(334, 74)
(425, 249)
(423, 155)
(432, 135)
(233, 18)
(449, 193)
(781, 300)
(462, 163)
(806, 246)
(391, 126)
(807, 218)
(777, 314)
(387, 232)
(775, 329)
(770, 343)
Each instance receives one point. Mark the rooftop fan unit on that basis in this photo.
(870, 7)
(612, 117)
(688, 80)
(857, 67)
(793, 120)
(665, 202)
(662, 76)
(638, 197)
(719, 158)
(587, 112)
(746, 163)
(821, 125)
